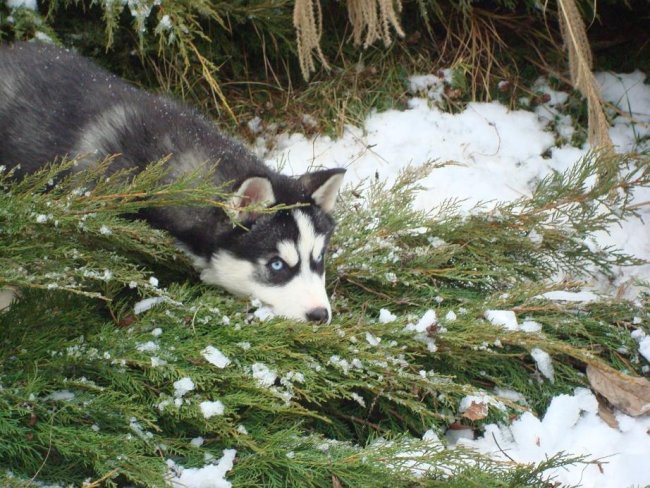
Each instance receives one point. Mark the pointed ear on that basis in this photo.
(323, 186)
(255, 191)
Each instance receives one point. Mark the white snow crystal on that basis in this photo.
(215, 357)
(105, 230)
(503, 318)
(242, 429)
(372, 340)
(29, 4)
(571, 296)
(428, 319)
(451, 316)
(148, 346)
(263, 374)
(544, 364)
(146, 304)
(531, 326)
(156, 361)
(41, 218)
(209, 476)
(61, 395)
(210, 409)
(358, 398)
(182, 386)
(153, 281)
(156, 332)
(197, 441)
(385, 316)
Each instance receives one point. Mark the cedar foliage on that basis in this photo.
(341, 408)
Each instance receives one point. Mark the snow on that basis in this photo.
(644, 343)
(215, 357)
(263, 374)
(147, 304)
(182, 386)
(209, 476)
(210, 409)
(29, 4)
(386, 317)
(372, 340)
(61, 395)
(530, 326)
(571, 296)
(571, 425)
(502, 318)
(499, 154)
(148, 346)
(544, 363)
(428, 319)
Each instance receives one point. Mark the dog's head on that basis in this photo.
(279, 257)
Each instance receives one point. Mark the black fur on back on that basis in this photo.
(55, 103)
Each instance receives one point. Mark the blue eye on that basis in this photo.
(320, 257)
(277, 264)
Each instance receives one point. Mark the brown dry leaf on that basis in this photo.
(605, 413)
(476, 411)
(630, 394)
(336, 483)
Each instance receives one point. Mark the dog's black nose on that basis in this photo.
(318, 315)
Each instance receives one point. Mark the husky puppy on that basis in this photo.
(56, 103)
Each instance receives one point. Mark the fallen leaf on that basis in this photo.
(606, 413)
(476, 411)
(336, 483)
(630, 394)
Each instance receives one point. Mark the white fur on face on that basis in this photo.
(294, 299)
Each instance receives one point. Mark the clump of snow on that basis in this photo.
(372, 340)
(450, 316)
(156, 362)
(502, 318)
(428, 319)
(531, 326)
(571, 296)
(61, 395)
(385, 316)
(644, 343)
(153, 281)
(147, 304)
(29, 4)
(210, 409)
(263, 374)
(209, 476)
(358, 398)
(544, 363)
(242, 429)
(572, 425)
(215, 357)
(148, 346)
(197, 441)
(263, 312)
(182, 386)
(156, 332)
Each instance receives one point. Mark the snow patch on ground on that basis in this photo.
(572, 425)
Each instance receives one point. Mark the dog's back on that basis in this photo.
(54, 102)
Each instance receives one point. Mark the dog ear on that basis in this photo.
(323, 186)
(255, 191)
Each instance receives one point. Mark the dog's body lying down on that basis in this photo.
(56, 103)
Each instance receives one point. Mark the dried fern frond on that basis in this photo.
(375, 18)
(575, 39)
(308, 21)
